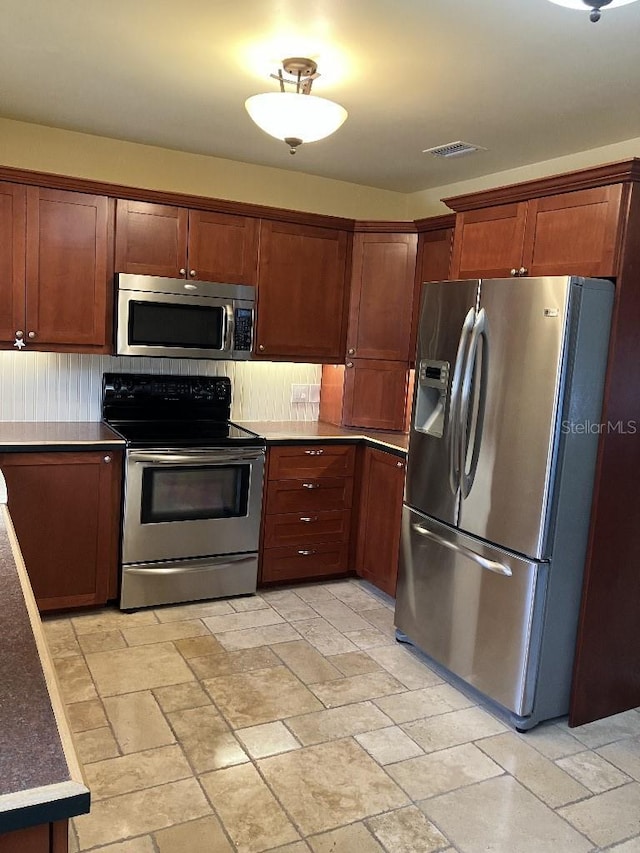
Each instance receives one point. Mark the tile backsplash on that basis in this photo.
(67, 387)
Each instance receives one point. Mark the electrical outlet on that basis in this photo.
(299, 393)
(314, 393)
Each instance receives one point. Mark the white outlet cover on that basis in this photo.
(314, 393)
(299, 393)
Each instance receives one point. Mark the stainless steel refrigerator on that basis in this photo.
(502, 453)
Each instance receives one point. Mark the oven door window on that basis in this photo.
(174, 325)
(191, 493)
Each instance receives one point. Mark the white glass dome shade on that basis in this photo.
(292, 116)
(584, 7)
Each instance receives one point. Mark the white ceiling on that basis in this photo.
(526, 79)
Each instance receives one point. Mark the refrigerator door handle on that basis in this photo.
(480, 330)
(454, 405)
(490, 565)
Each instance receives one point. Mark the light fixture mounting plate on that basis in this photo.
(299, 65)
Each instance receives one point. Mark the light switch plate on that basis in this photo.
(314, 393)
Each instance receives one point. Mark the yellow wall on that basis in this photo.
(48, 149)
(427, 202)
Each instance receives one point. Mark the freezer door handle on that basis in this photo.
(480, 331)
(490, 565)
(454, 406)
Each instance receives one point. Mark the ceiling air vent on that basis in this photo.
(453, 149)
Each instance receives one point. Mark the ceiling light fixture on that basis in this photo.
(296, 116)
(594, 5)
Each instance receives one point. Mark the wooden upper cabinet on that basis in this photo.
(151, 239)
(68, 270)
(571, 233)
(433, 262)
(174, 242)
(55, 269)
(574, 233)
(301, 292)
(488, 242)
(381, 304)
(12, 257)
(223, 247)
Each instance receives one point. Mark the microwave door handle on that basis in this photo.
(230, 325)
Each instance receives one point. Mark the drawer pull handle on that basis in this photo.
(306, 553)
(308, 518)
(311, 485)
(314, 452)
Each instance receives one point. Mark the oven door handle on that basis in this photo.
(183, 567)
(197, 457)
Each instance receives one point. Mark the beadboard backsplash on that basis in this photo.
(38, 386)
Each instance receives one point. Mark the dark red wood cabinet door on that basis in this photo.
(375, 394)
(574, 233)
(151, 239)
(222, 247)
(488, 242)
(380, 516)
(12, 258)
(382, 279)
(434, 260)
(68, 268)
(65, 507)
(301, 292)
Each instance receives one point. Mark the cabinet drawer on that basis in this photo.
(311, 460)
(295, 527)
(296, 562)
(310, 495)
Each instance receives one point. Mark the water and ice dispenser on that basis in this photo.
(431, 398)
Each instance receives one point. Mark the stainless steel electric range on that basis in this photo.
(192, 489)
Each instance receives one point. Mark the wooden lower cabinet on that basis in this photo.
(307, 515)
(44, 838)
(380, 514)
(65, 508)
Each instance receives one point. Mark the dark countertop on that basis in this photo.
(287, 431)
(25, 436)
(40, 778)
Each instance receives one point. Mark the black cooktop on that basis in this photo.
(163, 411)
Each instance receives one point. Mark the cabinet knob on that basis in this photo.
(400, 464)
(192, 273)
(349, 364)
(31, 335)
(351, 351)
(183, 271)
(514, 271)
(19, 335)
(523, 271)
(107, 459)
(261, 348)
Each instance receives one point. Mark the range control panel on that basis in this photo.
(145, 388)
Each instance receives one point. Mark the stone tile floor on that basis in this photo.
(293, 721)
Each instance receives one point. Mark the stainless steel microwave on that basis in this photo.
(174, 318)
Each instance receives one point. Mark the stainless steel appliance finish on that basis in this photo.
(193, 489)
(509, 385)
(173, 318)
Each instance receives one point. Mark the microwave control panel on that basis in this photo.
(243, 332)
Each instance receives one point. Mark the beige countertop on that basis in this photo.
(275, 431)
(59, 435)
